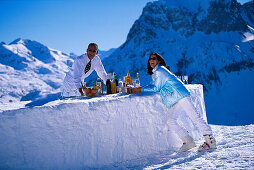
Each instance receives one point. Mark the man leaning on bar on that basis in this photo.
(82, 67)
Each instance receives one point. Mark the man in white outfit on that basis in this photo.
(82, 67)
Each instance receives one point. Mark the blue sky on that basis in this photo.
(70, 25)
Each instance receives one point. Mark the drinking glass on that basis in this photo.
(180, 78)
(185, 78)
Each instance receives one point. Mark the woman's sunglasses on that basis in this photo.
(153, 58)
(92, 50)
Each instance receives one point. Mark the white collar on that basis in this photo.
(88, 57)
(155, 68)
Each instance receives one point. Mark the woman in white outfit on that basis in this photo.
(176, 97)
(82, 67)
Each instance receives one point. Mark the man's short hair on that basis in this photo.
(93, 44)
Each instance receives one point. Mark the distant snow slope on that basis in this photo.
(105, 54)
(29, 69)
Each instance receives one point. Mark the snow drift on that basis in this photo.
(89, 132)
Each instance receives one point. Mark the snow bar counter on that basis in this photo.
(90, 132)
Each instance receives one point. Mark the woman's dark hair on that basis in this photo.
(159, 58)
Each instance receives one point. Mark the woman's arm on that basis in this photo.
(149, 88)
(157, 84)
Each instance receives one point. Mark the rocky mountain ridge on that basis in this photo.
(202, 39)
(29, 68)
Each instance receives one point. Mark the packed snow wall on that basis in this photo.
(90, 132)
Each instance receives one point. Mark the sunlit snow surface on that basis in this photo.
(77, 133)
(52, 134)
(234, 151)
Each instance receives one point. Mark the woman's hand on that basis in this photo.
(136, 90)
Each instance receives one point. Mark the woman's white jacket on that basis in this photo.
(170, 87)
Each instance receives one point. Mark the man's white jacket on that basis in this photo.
(73, 78)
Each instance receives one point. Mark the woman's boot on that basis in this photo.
(188, 143)
(209, 143)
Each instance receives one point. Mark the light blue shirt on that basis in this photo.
(170, 87)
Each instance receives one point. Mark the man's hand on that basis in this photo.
(136, 90)
(81, 91)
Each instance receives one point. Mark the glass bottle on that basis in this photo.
(128, 78)
(99, 84)
(113, 84)
(120, 85)
(117, 83)
(137, 81)
(94, 85)
(108, 84)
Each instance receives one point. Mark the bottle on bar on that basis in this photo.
(94, 85)
(128, 78)
(113, 84)
(120, 85)
(99, 84)
(124, 81)
(124, 85)
(108, 84)
(137, 81)
(117, 84)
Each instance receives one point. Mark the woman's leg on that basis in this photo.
(191, 111)
(172, 120)
(187, 140)
(196, 118)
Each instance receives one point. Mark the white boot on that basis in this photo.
(209, 143)
(188, 143)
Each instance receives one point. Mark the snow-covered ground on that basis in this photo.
(105, 133)
(111, 132)
(234, 151)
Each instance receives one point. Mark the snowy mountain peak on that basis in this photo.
(188, 4)
(203, 39)
(38, 50)
(187, 16)
(166, 23)
(29, 68)
(18, 41)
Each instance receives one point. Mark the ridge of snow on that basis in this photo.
(94, 132)
(112, 132)
(188, 4)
